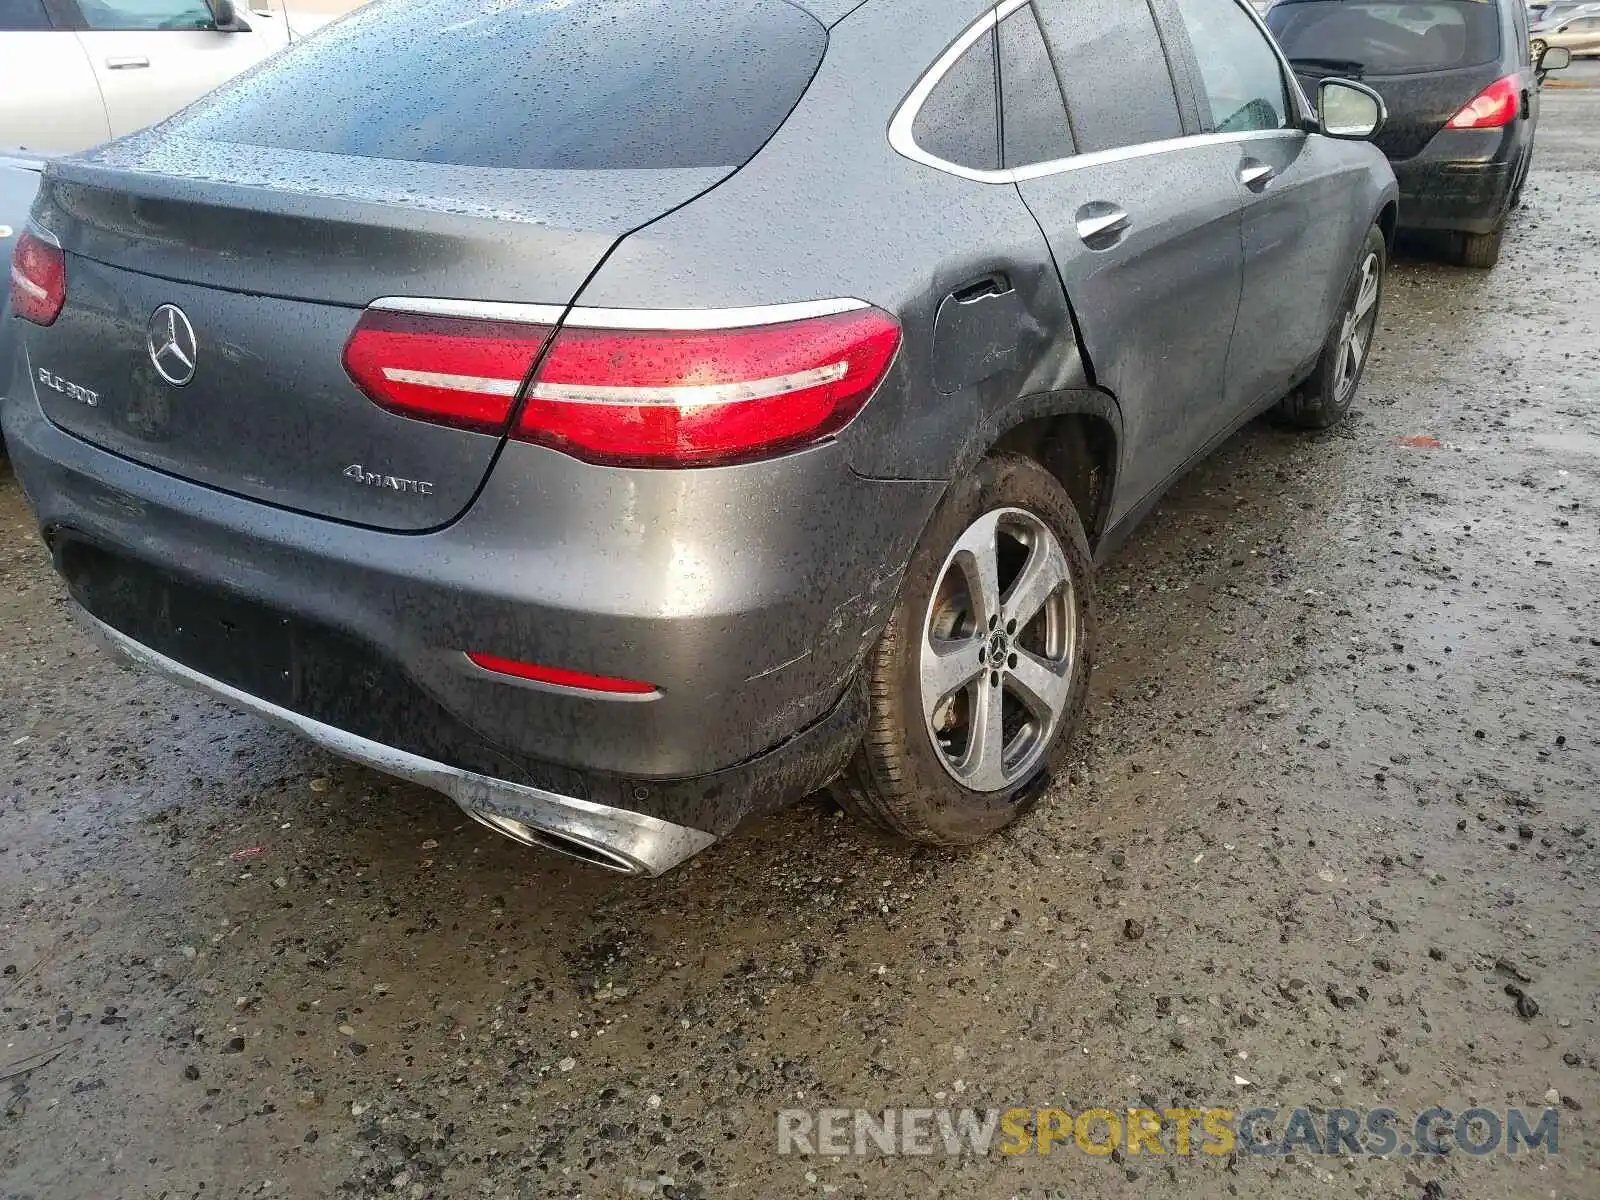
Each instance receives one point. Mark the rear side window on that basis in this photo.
(1239, 71)
(1033, 113)
(17, 16)
(1387, 39)
(558, 85)
(960, 121)
(1114, 71)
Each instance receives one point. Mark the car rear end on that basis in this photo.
(1460, 98)
(311, 421)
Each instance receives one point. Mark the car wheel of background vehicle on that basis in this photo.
(1323, 399)
(1480, 250)
(982, 672)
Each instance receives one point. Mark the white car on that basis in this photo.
(79, 72)
(75, 73)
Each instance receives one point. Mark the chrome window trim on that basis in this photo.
(681, 319)
(904, 144)
(709, 318)
(476, 310)
(900, 136)
(1144, 150)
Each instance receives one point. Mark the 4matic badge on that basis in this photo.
(393, 483)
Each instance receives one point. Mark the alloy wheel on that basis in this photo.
(1355, 334)
(998, 650)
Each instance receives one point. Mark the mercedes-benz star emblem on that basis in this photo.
(172, 345)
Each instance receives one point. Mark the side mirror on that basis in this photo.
(1349, 110)
(1555, 58)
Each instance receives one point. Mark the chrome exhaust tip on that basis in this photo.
(614, 839)
(558, 843)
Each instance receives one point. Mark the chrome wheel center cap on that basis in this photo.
(998, 647)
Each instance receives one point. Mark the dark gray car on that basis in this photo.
(628, 416)
(19, 183)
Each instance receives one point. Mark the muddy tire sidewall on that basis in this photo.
(896, 780)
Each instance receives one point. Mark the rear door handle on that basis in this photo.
(1255, 174)
(129, 62)
(1101, 224)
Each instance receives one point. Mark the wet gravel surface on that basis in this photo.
(1336, 794)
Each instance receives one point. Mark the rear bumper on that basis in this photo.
(748, 595)
(1462, 181)
(614, 838)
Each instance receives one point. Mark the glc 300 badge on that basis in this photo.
(66, 387)
(393, 483)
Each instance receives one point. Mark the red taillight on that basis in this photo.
(630, 396)
(561, 677)
(1497, 105)
(449, 370)
(38, 279)
(677, 398)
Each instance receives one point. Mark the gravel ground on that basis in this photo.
(1336, 794)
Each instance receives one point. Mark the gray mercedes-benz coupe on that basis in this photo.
(627, 416)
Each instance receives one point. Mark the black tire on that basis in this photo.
(1479, 250)
(898, 780)
(1325, 397)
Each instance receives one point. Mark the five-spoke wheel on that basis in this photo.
(980, 676)
(1355, 333)
(997, 649)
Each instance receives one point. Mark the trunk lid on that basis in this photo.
(271, 282)
(453, 149)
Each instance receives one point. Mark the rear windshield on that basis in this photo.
(1388, 39)
(530, 84)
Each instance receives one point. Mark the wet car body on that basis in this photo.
(1464, 180)
(260, 528)
(19, 184)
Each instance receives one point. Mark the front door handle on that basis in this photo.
(1255, 174)
(129, 62)
(1102, 224)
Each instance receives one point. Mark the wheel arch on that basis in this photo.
(1389, 221)
(1076, 435)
